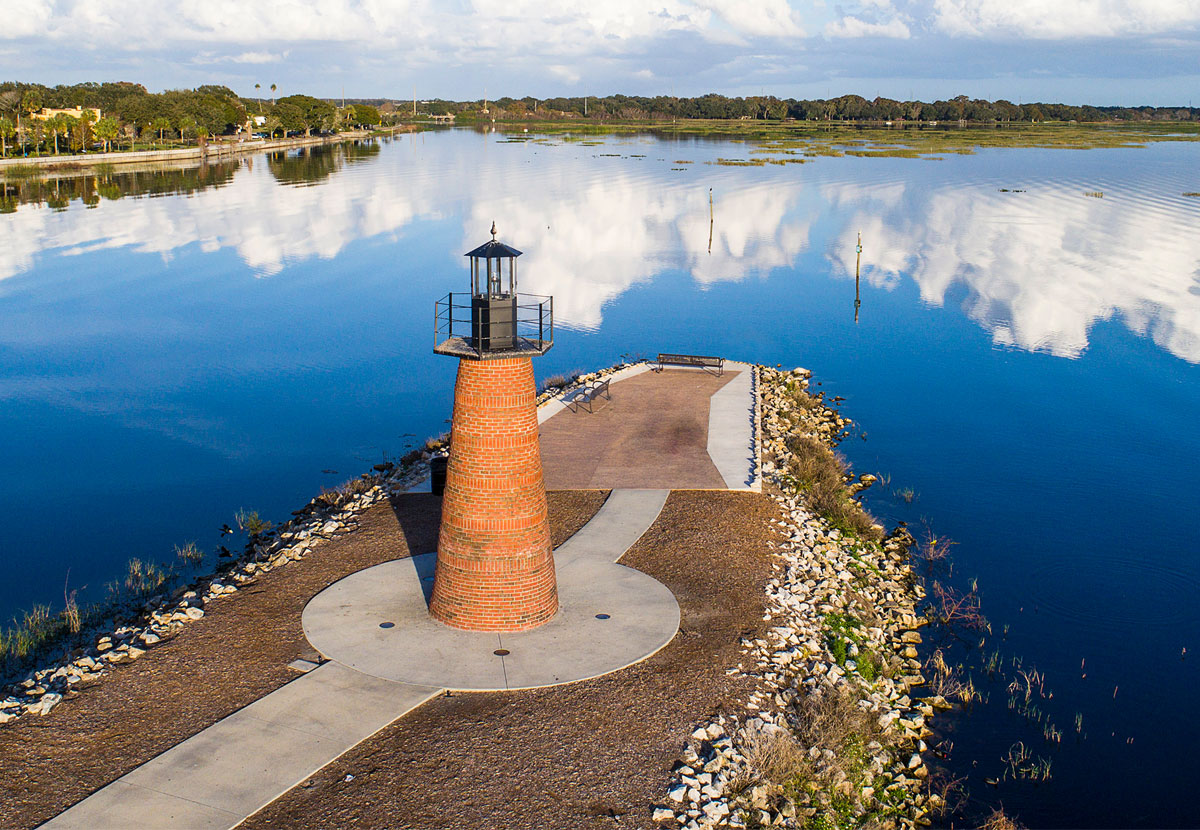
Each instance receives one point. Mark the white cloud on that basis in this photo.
(765, 18)
(565, 72)
(851, 26)
(26, 18)
(259, 57)
(1064, 18)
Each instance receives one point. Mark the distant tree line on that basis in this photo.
(844, 108)
(129, 114)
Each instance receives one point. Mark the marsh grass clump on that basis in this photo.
(559, 381)
(998, 820)
(820, 474)
(26, 636)
(21, 171)
(251, 523)
(189, 553)
(778, 758)
(142, 579)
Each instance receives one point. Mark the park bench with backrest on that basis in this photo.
(586, 393)
(703, 361)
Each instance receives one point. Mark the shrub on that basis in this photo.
(820, 474)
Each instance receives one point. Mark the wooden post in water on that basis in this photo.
(857, 262)
(710, 219)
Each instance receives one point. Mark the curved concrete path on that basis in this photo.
(237, 766)
(377, 621)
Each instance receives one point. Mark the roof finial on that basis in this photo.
(493, 230)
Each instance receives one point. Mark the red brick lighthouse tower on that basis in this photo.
(495, 569)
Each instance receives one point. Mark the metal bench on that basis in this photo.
(585, 395)
(703, 361)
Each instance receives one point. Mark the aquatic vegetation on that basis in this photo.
(189, 553)
(998, 820)
(250, 522)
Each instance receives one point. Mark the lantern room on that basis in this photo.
(494, 321)
(493, 297)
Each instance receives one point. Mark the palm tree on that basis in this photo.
(57, 125)
(160, 125)
(106, 130)
(272, 94)
(257, 87)
(6, 132)
(31, 102)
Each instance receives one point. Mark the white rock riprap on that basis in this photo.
(163, 616)
(838, 648)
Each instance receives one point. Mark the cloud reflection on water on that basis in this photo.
(1040, 267)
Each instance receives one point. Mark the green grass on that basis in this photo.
(252, 523)
(821, 139)
(820, 474)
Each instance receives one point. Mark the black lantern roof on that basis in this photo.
(493, 249)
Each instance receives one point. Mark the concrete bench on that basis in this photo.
(703, 361)
(585, 394)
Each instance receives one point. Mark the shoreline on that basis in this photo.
(830, 735)
(725, 775)
(213, 151)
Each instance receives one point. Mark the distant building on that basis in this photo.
(47, 113)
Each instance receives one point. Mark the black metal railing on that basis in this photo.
(457, 327)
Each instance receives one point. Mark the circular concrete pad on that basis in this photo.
(609, 617)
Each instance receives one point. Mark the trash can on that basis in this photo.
(437, 474)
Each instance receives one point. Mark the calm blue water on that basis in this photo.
(1025, 362)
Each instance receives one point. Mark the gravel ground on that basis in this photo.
(236, 654)
(595, 754)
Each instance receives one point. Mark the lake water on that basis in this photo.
(1024, 361)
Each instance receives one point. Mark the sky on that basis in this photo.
(1122, 52)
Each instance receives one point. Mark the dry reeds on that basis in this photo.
(820, 474)
(997, 820)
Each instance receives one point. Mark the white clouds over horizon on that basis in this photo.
(689, 46)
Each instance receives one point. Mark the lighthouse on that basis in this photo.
(495, 567)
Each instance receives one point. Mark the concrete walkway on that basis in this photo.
(733, 432)
(377, 620)
(240, 764)
(227, 772)
(675, 429)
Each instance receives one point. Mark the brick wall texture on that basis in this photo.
(495, 568)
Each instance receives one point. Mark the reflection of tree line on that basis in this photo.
(94, 185)
(307, 165)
